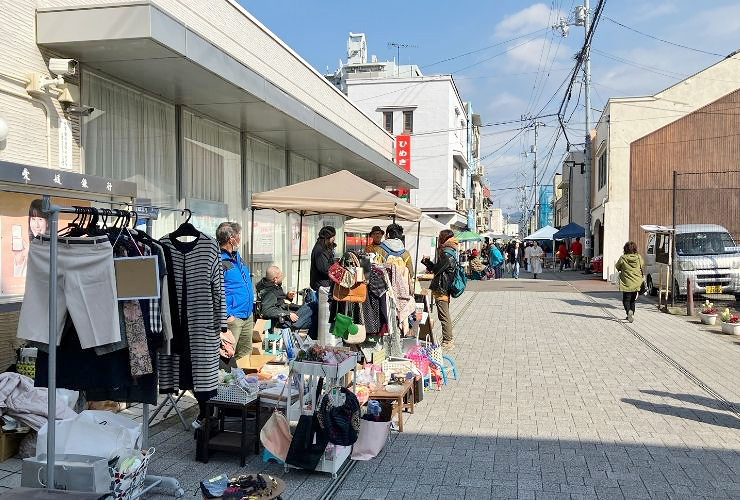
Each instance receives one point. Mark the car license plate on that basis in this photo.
(713, 289)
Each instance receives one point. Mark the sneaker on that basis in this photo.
(196, 424)
(630, 316)
(447, 345)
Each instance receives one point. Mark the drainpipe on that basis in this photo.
(24, 95)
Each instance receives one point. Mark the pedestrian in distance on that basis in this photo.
(496, 260)
(576, 250)
(444, 270)
(562, 255)
(631, 272)
(536, 255)
(515, 257)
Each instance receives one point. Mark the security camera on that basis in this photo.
(73, 109)
(63, 66)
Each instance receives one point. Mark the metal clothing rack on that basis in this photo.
(151, 481)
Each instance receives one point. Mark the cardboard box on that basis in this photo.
(10, 442)
(257, 348)
(253, 364)
(261, 326)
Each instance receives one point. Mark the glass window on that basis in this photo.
(408, 122)
(388, 121)
(131, 136)
(267, 170)
(602, 170)
(211, 171)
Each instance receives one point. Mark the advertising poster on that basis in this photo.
(21, 220)
(295, 238)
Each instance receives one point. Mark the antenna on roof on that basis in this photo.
(398, 46)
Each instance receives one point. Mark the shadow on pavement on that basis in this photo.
(590, 316)
(692, 398)
(703, 416)
(588, 303)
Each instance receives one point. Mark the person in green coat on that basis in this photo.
(630, 267)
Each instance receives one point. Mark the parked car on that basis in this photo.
(706, 253)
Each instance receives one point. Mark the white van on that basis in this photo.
(706, 253)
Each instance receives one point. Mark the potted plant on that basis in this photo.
(708, 313)
(730, 322)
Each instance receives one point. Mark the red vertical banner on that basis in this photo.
(403, 160)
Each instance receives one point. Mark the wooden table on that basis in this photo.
(398, 397)
(225, 440)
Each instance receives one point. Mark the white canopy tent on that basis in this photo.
(427, 228)
(543, 233)
(340, 193)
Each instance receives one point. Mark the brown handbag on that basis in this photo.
(357, 293)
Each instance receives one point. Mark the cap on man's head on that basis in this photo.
(376, 229)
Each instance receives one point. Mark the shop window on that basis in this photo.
(408, 122)
(211, 171)
(388, 121)
(131, 136)
(602, 170)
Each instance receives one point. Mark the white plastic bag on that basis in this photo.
(92, 432)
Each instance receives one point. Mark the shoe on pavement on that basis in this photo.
(630, 316)
(447, 345)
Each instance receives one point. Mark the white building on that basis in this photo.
(497, 221)
(511, 229)
(626, 119)
(443, 144)
(196, 103)
(569, 207)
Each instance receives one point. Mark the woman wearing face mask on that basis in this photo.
(322, 257)
(443, 270)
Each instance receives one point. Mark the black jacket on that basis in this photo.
(519, 257)
(272, 300)
(443, 270)
(321, 259)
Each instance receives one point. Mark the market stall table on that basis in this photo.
(403, 399)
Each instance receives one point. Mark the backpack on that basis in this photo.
(458, 279)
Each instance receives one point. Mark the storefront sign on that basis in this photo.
(403, 160)
(65, 144)
(264, 238)
(47, 177)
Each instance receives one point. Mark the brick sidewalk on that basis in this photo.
(558, 400)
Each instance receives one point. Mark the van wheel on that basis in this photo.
(651, 289)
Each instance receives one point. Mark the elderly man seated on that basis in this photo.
(275, 304)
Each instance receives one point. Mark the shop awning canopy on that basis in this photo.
(572, 230)
(543, 233)
(429, 226)
(340, 193)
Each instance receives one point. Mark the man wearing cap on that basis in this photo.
(376, 238)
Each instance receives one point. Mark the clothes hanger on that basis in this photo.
(186, 228)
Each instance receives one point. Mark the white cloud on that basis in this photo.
(505, 105)
(527, 56)
(534, 17)
(652, 10)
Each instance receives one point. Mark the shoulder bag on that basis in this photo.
(309, 441)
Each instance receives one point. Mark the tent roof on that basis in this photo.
(429, 226)
(341, 193)
(543, 233)
(572, 230)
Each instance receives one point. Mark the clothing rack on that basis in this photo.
(152, 481)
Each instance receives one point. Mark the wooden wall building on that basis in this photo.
(704, 149)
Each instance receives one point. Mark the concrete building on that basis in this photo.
(497, 221)
(557, 194)
(197, 104)
(625, 119)
(443, 129)
(569, 206)
(512, 230)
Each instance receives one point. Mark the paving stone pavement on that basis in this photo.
(557, 399)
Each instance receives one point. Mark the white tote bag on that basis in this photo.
(371, 439)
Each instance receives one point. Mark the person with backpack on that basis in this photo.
(496, 260)
(393, 246)
(448, 277)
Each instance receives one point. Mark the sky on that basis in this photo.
(507, 61)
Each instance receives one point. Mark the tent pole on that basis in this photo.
(300, 247)
(416, 259)
(251, 247)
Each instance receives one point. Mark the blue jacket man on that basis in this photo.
(238, 288)
(496, 260)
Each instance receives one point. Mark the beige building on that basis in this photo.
(626, 119)
(196, 103)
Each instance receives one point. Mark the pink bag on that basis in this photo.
(371, 439)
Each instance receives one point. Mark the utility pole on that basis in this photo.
(533, 150)
(588, 243)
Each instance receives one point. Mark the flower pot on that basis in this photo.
(708, 319)
(731, 328)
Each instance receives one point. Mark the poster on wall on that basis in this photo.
(295, 238)
(21, 220)
(264, 238)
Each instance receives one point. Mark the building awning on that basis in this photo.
(140, 44)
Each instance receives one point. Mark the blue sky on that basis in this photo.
(519, 76)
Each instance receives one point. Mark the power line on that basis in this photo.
(662, 39)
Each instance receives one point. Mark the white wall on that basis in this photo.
(433, 100)
(27, 116)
